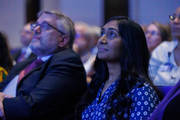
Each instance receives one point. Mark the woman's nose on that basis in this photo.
(103, 41)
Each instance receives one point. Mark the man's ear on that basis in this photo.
(63, 41)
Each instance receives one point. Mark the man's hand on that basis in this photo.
(2, 96)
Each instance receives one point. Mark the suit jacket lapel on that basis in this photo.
(31, 71)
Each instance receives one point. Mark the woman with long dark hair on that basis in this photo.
(6, 62)
(120, 87)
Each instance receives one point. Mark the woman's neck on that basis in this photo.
(114, 71)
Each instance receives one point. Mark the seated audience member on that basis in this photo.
(25, 38)
(82, 40)
(120, 87)
(95, 35)
(165, 59)
(155, 34)
(6, 62)
(50, 87)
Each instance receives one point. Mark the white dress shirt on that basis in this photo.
(10, 89)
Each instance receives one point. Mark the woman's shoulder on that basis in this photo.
(142, 89)
(143, 101)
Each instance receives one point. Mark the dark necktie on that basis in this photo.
(28, 68)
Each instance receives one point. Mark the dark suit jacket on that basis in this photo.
(49, 91)
(18, 53)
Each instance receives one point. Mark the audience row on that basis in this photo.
(122, 64)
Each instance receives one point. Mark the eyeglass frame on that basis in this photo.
(173, 17)
(37, 24)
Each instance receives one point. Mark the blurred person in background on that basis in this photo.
(165, 59)
(83, 44)
(95, 31)
(25, 38)
(168, 109)
(156, 33)
(6, 62)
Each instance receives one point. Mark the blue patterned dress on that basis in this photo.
(144, 101)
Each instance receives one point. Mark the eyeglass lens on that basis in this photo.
(151, 32)
(43, 26)
(173, 17)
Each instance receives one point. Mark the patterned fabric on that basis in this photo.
(3, 74)
(30, 67)
(144, 101)
(163, 67)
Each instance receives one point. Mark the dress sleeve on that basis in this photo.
(144, 101)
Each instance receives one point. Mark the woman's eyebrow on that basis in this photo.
(109, 29)
(113, 29)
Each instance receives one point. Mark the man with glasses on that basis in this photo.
(51, 86)
(165, 59)
(168, 109)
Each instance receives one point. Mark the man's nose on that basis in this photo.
(177, 20)
(37, 29)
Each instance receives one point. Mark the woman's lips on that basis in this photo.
(102, 49)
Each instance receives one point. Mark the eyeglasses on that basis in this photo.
(44, 26)
(153, 33)
(173, 17)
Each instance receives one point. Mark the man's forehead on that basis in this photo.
(46, 17)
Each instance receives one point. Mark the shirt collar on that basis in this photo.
(45, 58)
(25, 49)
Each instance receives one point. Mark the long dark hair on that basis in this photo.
(134, 68)
(5, 57)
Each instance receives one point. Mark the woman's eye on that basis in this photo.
(102, 33)
(111, 34)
